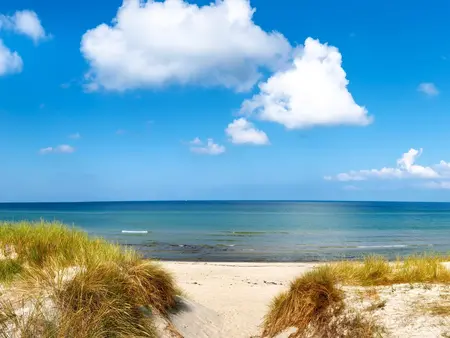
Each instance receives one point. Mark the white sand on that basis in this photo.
(238, 292)
(239, 295)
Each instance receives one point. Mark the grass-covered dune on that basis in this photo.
(315, 304)
(58, 282)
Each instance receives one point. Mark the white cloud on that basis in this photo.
(210, 148)
(196, 141)
(444, 168)
(22, 22)
(241, 131)
(47, 150)
(10, 62)
(153, 43)
(312, 92)
(61, 149)
(26, 23)
(75, 136)
(428, 88)
(64, 148)
(406, 168)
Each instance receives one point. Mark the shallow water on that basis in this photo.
(255, 231)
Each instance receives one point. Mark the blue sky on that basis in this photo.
(124, 110)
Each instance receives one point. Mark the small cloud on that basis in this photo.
(75, 136)
(10, 61)
(47, 150)
(121, 132)
(241, 131)
(61, 149)
(443, 57)
(210, 148)
(26, 23)
(352, 34)
(64, 148)
(42, 106)
(196, 141)
(428, 88)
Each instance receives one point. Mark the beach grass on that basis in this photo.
(314, 306)
(75, 286)
(378, 271)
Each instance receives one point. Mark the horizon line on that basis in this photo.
(219, 200)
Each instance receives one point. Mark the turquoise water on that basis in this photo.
(255, 231)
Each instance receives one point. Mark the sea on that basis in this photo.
(254, 231)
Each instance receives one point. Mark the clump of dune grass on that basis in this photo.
(93, 288)
(310, 301)
(102, 300)
(377, 270)
(38, 242)
(314, 306)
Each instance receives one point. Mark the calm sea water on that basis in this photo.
(255, 231)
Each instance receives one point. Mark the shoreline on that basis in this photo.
(208, 252)
(295, 262)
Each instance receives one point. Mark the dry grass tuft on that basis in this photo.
(351, 325)
(441, 308)
(376, 270)
(310, 301)
(314, 306)
(151, 285)
(34, 324)
(92, 288)
(99, 302)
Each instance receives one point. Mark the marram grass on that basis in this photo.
(314, 303)
(376, 270)
(314, 306)
(78, 286)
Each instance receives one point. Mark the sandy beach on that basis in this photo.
(239, 294)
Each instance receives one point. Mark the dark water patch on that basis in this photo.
(227, 240)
